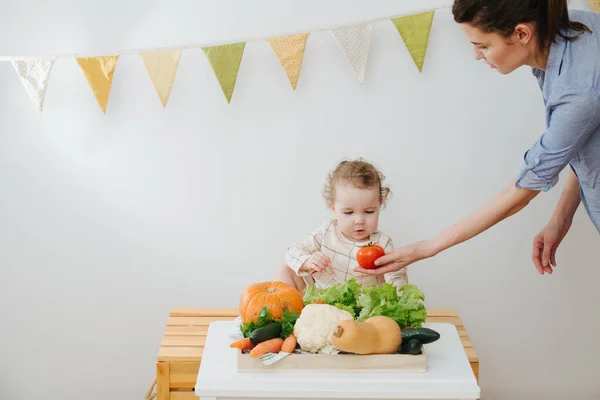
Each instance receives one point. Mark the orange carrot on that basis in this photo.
(242, 344)
(289, 344)
(268, 346)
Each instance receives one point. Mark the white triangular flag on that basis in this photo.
(34, 75)
(162, 67)
(355, 42)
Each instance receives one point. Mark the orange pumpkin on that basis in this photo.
(276, 296)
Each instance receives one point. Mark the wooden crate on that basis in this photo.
(181, 347)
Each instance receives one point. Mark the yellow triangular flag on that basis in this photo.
(595, 5)
(290, 52)
(162, 67)
(99, 72)
(225, 61)
(415, 30)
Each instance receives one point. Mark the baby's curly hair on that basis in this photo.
(361, 174)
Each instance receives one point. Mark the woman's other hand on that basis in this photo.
(546, 243)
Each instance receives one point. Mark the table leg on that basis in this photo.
(162, 381)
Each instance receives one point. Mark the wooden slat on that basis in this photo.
(162, 381)
(195, 354)
(180, 353)
(475, 368)
(184, 375)
(183, 341)
(199, 341)
(442, 312)
(186, 330)
(233, 312)
(204, 312)
(472, 354)
(450, 320)
(195, 321)
(184, 395)
(434, 316)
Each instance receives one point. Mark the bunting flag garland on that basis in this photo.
(415, 30)
(34, 75)
(99, 72)
(162, 67)
(290, 52)
(225, 61)
(595, 5)
(161, 64)
(355, 42)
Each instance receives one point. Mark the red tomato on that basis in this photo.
(318, 302)
(367, 255)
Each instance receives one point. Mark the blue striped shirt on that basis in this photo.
(571, 90)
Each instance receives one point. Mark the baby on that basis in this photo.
(355, 194)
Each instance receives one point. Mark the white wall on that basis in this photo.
(108, 221)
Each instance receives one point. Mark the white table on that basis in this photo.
(449, 375)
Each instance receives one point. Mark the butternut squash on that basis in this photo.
(377, 335)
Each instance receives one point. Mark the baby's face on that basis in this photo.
(357, 210)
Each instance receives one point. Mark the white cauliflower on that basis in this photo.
(314, 327)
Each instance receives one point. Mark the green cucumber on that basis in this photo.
(412, 346)
(264, 333)
(423, 335)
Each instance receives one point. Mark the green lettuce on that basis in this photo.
(406, 308)
(350, 309)
(341, 295)
(413, 298)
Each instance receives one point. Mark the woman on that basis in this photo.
(563, 49)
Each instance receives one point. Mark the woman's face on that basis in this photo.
(501, 53)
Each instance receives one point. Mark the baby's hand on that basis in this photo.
(316, 263)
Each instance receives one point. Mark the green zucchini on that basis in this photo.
(423, 335)
(264, 333)
(412, 346)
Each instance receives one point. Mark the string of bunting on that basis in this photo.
(225, 59)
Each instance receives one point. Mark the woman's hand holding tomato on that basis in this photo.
(397, 259)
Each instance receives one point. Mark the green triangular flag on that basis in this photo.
(225, 61)
(415, 30)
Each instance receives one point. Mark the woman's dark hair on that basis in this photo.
(502, 16)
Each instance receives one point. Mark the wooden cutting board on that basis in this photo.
(337, 363)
